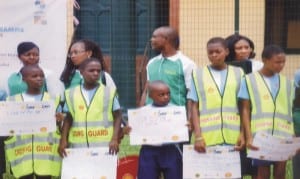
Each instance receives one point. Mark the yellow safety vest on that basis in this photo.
(273, 116)
(36, 153)
(92, 124)
(219, 116)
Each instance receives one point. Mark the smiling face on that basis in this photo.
(242, 50)
(217, 53)
(78, 53)
(30, 57)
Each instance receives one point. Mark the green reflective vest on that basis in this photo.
(36, 153)
(92, 124)
(273, 116)
(219, 116)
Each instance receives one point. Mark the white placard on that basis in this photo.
(217, 162)
(27, 117)
(158, 125)
(272, 148)
(89, 163)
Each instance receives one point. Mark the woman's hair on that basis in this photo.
(70, 68)
(270, 50)
(24, 47)
(232, 40)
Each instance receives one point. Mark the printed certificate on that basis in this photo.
(26, 117)
(155, 126)
(93, 163)
(272, 148)
(217, 162)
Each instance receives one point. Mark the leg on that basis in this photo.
(263, 172)
(279, 170)
(171, 162)
(148, 167)
(31, 176)
(296, 166)
(42, 177)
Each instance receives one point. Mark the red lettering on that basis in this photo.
(21, 151)
(41, 148)
(97, 133)
(77, 134)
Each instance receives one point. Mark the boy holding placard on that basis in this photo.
(33, 156)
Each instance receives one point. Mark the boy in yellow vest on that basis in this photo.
(266, 105)
(39, 158)
(93, 112)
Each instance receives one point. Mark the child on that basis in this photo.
(266, 105)
(296, 119)
(94, 105)
(33, 162)
(214, 89)
(165, 158)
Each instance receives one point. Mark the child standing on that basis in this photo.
(33, 162)
(93, 112)
(214, 90)
(266, 105)
(163, 159)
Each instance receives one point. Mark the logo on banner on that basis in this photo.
(40, 13)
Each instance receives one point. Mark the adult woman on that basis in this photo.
(77, 53)
(242, 48)
(29, 54)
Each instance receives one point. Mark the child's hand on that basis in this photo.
(126, 130)
(240, 143)
(199, 144)
(59, 117)
(114, 146)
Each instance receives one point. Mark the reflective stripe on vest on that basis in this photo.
(92, 125)
(219, 116)
(271, 115)
(33, 153)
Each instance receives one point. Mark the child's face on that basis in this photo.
(160, 95)
(275, 64)
(30, 57)
(242, 50)
(34, 79)
(91, 73)
(217, 53)
(78, 53)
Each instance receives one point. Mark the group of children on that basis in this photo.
(226, 107)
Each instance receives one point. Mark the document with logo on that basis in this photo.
(26, 117)
(83, 163)
(272, 148)
(155, 126)
(217, 162)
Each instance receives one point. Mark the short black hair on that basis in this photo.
(25, 70)
(270, 50)
(87, 61)
(219, 40)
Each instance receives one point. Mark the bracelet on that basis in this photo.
(199, 138)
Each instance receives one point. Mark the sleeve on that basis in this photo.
(116, 104)
(3, 95)
(188, 68)
(243, 91)
(192, 94)
(297, 79)
(109, 81)
(54, 86)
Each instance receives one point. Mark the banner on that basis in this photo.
(43, 22)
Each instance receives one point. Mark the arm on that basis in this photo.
(114, 143)
(199, 144)
(241, 139)
(64, 135)
(244, 107)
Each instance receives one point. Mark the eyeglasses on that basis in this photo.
(75, 53)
